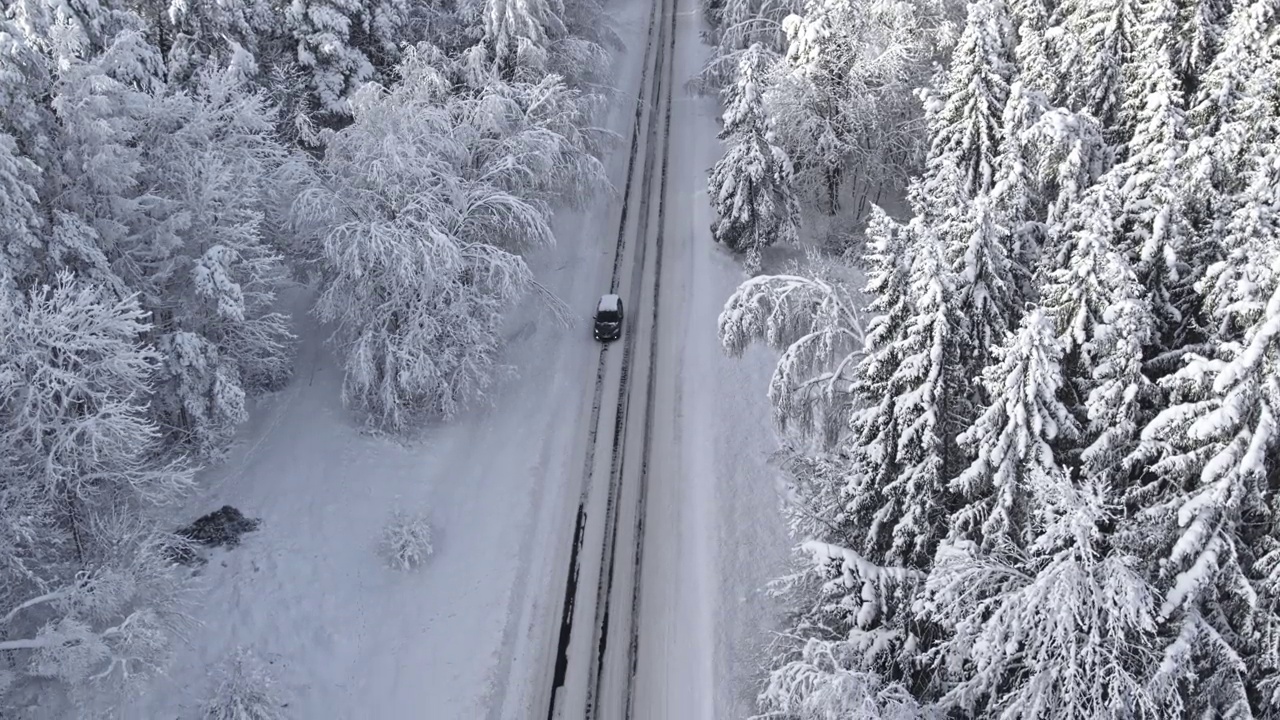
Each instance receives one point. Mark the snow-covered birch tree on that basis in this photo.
(88, 594)
(413, 285)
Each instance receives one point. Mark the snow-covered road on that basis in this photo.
(477, 632)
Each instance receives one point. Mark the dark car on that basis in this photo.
(608, 325)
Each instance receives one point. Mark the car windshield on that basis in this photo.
(607, 316)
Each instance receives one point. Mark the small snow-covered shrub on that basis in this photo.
(406, 540)
(246, 691)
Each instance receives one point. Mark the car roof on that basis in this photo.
(609, 303)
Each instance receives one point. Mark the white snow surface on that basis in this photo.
(347, 637)
(608, 303)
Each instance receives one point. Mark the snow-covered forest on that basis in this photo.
(1031, 406)
(167, 171)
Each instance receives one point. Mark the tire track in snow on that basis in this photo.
(650, 390)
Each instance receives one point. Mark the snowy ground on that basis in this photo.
(464, 636)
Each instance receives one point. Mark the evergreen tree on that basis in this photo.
(1099, 41)
(344, 43)
(967, 130)
(516, 36)
(1157, 230)
(1013, 443)
(1086, 276)
(986, 292)
(1062, 631)
(750, 186)
(1208, 507)
(929, 399)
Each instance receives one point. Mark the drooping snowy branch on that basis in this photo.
(817, 327)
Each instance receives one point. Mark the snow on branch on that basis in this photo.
(818, 329)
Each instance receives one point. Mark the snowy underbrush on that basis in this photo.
(406, 540)
(245, 690)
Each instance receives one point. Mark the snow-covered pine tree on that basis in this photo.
(100, 105)
(1083, 277)
(1121, 396)
(1201, 25)
(1035, 62)
(873, 445)
(515, 35)
(1016, 199)
(344, 43)
(1014, 442)
(200, 32)
(985, 282)
(1157, 194)
(1208, 491)
(1098, 40)
(966, 131)
(1233, 118)
(1059, 629)
(750, 187)
(1207, 511)
(69, 31)
(25, 122)
(1070, 155)
(929, 400)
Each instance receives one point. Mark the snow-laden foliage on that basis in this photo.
(925, 386)
(1061, 629)
(966, 130)
(234, 32)
(1097, 39)
(1105, 172)
(406, 540)
(215, 171)
(1012, 442)
(841, 100)
(1209, 496)
(812, 319)
(982, 260)
(526, 40)
(245, 690)
(343, 43)
(824, 682)
(419, 225)
(88, 589)
(150, 214)
(750, 187)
